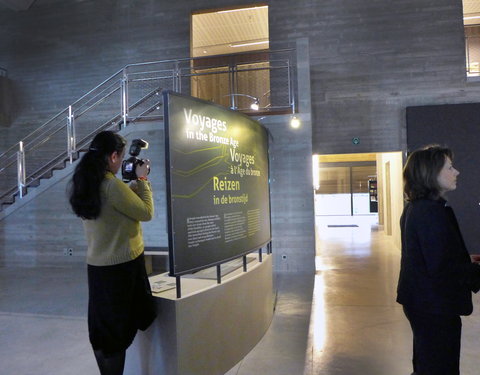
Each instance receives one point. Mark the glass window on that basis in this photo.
(471, 21)
(346, 191)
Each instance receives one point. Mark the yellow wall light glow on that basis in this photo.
(295, 122)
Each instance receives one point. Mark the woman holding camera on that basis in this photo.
(437, 276)
(120, 300)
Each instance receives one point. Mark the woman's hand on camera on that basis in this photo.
(142, 169)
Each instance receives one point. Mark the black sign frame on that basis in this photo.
(238, 220)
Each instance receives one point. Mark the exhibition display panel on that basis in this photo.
(217, 183)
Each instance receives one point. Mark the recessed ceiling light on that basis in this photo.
(248, 44)
(241, 9)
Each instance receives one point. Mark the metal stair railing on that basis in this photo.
(133, 94)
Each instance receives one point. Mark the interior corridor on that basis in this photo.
(351, 326)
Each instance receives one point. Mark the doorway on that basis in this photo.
(345, 185)
(358, 193)
(347, 189)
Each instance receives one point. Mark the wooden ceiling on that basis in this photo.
(471, 10)
(224, 31)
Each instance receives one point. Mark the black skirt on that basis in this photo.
(120, 302)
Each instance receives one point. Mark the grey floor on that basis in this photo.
(342, 320)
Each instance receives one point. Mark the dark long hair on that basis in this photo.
(84, 188)
(421, 172)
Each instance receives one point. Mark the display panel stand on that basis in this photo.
(211, 328)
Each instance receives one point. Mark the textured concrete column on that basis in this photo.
(293, 217)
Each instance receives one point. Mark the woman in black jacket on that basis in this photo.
(437, 274)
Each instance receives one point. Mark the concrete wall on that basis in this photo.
(92, 41)
(371, 59)
(39, 232)
(58, 50)
(367, 61)
(291, 195)
(6, 101)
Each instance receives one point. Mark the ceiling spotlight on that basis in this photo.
(255, 104)
(295, 122)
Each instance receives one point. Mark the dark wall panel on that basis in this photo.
(458, 127)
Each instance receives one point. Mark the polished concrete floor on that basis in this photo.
(342, 320)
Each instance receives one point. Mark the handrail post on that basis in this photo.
(21, 180)
(71, 141)
(124, 98)
(467, 52)
(231, 76)
(177, 84)
(291, 96)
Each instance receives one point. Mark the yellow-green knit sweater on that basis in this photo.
(116, 235)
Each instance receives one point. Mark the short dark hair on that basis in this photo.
(421, 172)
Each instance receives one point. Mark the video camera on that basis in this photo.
(129, 165)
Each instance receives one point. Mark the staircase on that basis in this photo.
(61, 140)
(133, 94)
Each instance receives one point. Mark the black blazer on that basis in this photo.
(436, 273)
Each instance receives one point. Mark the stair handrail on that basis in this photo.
(120, 82)
(43, 126)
